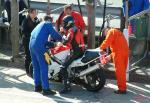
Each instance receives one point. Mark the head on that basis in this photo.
(68, 22)
(68, 10)
(32, 13)
(48, 18)
(104, 32)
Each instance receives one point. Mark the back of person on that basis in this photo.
(78, 41)
(119, 43)
(40, 34)
(136, 7)
(38, 31)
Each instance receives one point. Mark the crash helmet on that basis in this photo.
(68, 22)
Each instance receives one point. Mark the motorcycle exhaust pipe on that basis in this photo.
(89, 70)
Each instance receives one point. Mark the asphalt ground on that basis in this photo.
(17, 87)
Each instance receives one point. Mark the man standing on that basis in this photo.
(78, 19)
(38, 40)
(29, 24)
(119, 47)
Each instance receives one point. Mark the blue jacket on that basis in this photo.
(40, 34)
(136, 6)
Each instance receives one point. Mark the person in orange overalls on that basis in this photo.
(78, 19)
(120, 50)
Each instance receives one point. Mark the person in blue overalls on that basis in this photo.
(39, 38)
(136, 6)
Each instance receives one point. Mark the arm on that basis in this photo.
(59, 21)
(82, 23)
(109, 39)
(55, 35)
(67, 38)
(25, 27)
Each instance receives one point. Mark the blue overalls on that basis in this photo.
(39, 37)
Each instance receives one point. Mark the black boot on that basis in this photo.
(66, 81)
(38, 88)
(120, 92)
(67, 87)
(48, 92)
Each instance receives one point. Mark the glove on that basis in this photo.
(59, 44)
(47, 58)
(61, 30)
(49, 45)
(104, 59)
(108, 58)
(65, 38)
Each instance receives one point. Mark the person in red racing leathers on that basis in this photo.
(78, 19)
(74, 40)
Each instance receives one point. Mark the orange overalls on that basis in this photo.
(120, 50)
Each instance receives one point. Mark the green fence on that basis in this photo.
(140, 27)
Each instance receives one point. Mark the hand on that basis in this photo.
(62, 31)
(59, 44)
(47, 58)
(65, 38)
(104, 59)
(108, 58)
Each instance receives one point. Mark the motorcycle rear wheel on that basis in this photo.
(95, 81)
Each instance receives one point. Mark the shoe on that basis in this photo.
(120, 92)
(65, 90)
(48, 92)
(38, 88)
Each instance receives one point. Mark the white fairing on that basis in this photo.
(76, 63)
(55, 67)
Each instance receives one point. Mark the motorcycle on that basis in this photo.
(86, 71)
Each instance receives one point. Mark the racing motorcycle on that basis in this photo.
(86, 71)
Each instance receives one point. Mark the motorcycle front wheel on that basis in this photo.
(95, 81)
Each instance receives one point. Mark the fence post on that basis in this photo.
(15, 28)
(125, 32)
(90, 4)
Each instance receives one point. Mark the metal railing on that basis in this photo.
(147, 44)
(139, 14)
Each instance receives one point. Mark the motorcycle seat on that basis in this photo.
(89, 55)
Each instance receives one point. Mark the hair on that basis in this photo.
(68, 7)
(103, 31)
(48, 18)
(30, 10)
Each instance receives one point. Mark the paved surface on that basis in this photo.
(16, 87)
